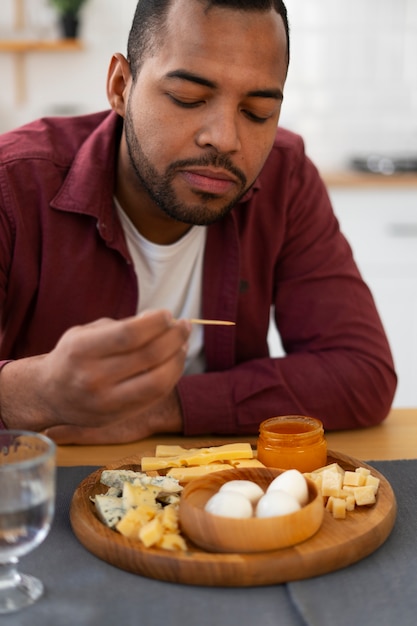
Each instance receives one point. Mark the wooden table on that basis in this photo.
(395, 438)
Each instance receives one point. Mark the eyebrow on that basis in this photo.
(275, 94)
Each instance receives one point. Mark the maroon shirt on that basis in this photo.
(64, 261)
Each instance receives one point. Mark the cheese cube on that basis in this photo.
(339, 508)
(364, 495)
(333, 467)
(331, 483)
(372, 481)
(151, 533)
(363, 470)
(316, 478)
(354, 479)
(329, 504)
(350, 502)
(132, 522)
(172, 541)
(169, 518)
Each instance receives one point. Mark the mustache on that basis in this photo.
(216, 160)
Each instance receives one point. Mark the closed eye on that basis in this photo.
(256, 118)
(185, 104)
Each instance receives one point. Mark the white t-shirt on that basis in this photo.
(170, 277)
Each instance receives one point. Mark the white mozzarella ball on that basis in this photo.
(293, 482)
(247, 487)
(229, 504)
(276, 503)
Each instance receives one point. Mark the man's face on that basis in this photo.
(202, 114)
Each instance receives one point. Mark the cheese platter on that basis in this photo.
(338, 543)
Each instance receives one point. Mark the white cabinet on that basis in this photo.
(381, 226)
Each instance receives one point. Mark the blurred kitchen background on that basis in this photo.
(351, 93)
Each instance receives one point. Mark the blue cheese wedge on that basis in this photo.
(117, 478)
(110, 509)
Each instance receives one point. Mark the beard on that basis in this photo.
(207, 209)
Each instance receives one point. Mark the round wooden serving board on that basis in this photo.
(337, 544)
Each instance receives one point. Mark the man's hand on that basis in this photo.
(163, 416)
(98, 375)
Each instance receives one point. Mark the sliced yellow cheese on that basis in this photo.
(201, 456)
(162, 450)
(185, 474)
(239, 463)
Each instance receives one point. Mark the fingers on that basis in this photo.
(112, 337)
(165, 348)
(144, 388)
(135, 424)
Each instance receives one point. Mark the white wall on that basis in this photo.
(352, 86)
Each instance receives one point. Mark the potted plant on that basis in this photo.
(68, 11)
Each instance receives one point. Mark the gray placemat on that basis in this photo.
(82, 590)
(380, 590)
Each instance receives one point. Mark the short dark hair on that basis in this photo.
(150, 16)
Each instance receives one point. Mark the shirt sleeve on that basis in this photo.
(337, 366)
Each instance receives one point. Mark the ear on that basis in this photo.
(119, 80)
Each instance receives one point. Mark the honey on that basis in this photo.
(292, 442)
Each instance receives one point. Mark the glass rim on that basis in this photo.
(48, 453)
(315, 431)
(307, 419)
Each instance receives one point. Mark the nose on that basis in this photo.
(220, 131)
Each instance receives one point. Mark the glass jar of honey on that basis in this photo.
(292, 442)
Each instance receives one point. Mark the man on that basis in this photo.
(182, 202)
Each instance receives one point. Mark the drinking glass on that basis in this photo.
(27, 502)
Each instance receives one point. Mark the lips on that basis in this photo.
(208, 180)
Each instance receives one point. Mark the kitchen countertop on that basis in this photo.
(352, 179)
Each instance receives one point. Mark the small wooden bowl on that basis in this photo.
(226, 534)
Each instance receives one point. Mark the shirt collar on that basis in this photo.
(89, 184)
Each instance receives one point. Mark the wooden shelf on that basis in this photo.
(40, 45)
(21, 47)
